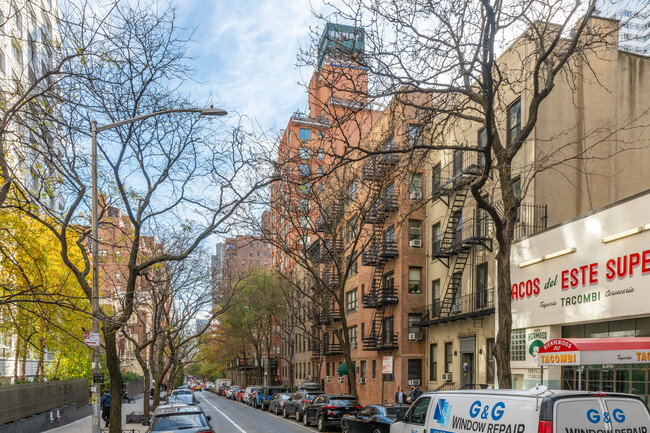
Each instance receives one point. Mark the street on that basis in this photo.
(231, 416)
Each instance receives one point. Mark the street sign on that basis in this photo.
(91, 339)
(98, 377)
(387, 365)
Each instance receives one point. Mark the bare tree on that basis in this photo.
(442, 60)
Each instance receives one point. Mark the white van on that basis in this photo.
(538, 410)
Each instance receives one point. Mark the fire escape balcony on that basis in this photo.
(382, 341)
(332, 348)
(382, 208)
(463, 235)
(470, 305)
(458, 173)
(315, 349)
(377, 254)
(379, 166)
(303, 119)
(379, 298)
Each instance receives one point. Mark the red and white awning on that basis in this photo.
(594, 351)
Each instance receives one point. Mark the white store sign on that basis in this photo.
(599, 281)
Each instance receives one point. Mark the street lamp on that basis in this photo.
(94, 130)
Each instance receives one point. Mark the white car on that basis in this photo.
(232, 390)
(522, 411)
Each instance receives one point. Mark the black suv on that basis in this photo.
(329, 409)
(298, 402)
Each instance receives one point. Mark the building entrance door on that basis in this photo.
(467, 350)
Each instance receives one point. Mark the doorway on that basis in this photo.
(467, 368)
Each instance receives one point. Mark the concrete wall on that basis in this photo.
(48, 420)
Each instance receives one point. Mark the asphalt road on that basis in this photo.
(234, 417)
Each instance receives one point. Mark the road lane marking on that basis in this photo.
(224, 415)
(281, 418)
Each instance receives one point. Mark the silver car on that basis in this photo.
(179, 418)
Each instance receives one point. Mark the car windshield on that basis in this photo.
(342, 402)
(183, 398)
(178, 422)
(391, 412)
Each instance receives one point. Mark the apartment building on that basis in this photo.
(634, 19)
(337, 117)
(589, 150)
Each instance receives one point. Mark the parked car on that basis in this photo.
(249, 394)
(298, 401)
(536, 410)
(222, 390)
(276, 405)
(239, 396)
(374, 418)
(263, 396)
(187, 395)
(329, 409)
(179, 419)
(231, 391)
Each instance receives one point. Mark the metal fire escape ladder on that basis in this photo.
(454, 280)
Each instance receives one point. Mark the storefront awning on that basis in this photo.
(594, 351)
(343, 369)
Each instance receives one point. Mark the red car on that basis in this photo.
(240, 396)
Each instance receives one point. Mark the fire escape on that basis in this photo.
(457, 240)
(381, 248)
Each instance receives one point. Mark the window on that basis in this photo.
(458, 162)
(389, 235)
(304, 152)
(305, 170)
(387, 331)
(415, 280)
(413, 319)
(351, 229)
(415, 233)
(362, 373)
(491, 360)
(415, 369)
(417, 414)
(354, 266)
(514, 121)
(305, 205)
(353, 190)
(481, 285)
(351, 300)
(516, 189)
(415, 135)
(304, 188)
(305, 134)
(327, 369)
(388, 281)
(435, 291)
(374, 369)
(320, 151)
(482, 143)
(433, 362)
(435, 239)
(436, 172)
(415, 187)
(518, 345)
(352, 336)
(449, 357)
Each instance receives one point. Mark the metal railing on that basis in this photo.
(333, 348)
(27, 399)
(531, 218)
(382, 207)
(377, 253)
(473, 231)
(457, 173)
(475, 303)
(303, 118)
(383, 296)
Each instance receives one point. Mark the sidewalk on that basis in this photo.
(83, 425)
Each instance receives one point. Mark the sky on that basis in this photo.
(245, 54)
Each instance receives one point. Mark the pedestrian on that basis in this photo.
(105, 404)
(399, 396)
(415, 393)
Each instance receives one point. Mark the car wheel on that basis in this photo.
(298, 415)
(376, 431)
(305, 419)
(321, 424)
(285, 414)
(276, 410)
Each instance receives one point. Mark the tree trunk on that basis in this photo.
(113, 365)
(16, 357)
(147, 380)
(502, 342)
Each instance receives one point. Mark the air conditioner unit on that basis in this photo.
(417, 243)
(414, 382)
(340, 379)
(327, 378)
(361, 380)
(415, 336)
(446, 377)
(415, 195)
(456, 308)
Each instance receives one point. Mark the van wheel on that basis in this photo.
(284, 413)
(321, 424)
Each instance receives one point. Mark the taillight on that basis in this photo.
(305, 401)
(545, 427)
(359, 407)
(599, 394)
(329, 407)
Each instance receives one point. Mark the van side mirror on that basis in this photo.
(401, 415)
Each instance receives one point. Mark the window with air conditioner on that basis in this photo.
(415, 233)
(415, 371)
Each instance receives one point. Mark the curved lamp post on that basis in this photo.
(94, 129)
